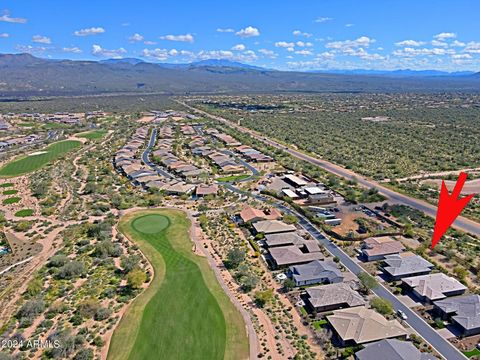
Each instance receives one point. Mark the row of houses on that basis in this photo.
(128, 162)
(18, 141)
(345, 309)
(164, 154)
(225, 163)
(224, 138)
(444, 292)
(251, 154)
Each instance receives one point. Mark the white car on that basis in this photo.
(402, 315)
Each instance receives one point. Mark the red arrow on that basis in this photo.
(449, 207)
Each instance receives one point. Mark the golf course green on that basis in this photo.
(28, 163)
(184, 313)
(92, 135)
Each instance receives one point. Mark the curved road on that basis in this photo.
(461, 223)
(146, 156)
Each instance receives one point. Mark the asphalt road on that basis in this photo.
(146, 156)
(442, 346)
(461, 223)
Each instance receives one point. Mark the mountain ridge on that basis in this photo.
(26, 75)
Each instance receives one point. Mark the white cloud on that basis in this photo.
(303, 52)
(4, 35)
(412, 52)
(323, 19)
(268, 53)
(439, 43)
(215, 54)
(97, 50)
(362, 41)
(249, 31)
(148, 42)
(74, 50)
(182, 38)
(41, 39)
(31, 49)
(462, 56)
(225, 30)
(90, 31)
(239, 47)
(410, 43)
(284, 44)
(303, 44)
(349, 25)
(445, 35)
(457, 43)
(472, 47)
(7, 18)
(301, 33)
(326, 55)
(135, 38)
(158, 54)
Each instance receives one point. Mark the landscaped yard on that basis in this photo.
(12, 200)
(184, 312)
(36, 160)
(474, 352)
(233, 178)
(10, 192)
(25, 212)
(92, 135)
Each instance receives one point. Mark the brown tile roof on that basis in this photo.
(363, 325)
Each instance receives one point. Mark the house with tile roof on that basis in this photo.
(332, 297)
(463, 311)
(398, 266)
(392, 349)
(376, 248)
(434, 286)
(359, 325)
(315, 272)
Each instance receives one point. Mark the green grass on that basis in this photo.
(233, 178)
(92, 135)
(5, 185)
(12, 200)
(25, 212)
(319, 324)
(27, 164)
(474, 352)
(184, 313)
(10, 192)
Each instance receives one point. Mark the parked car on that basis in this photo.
(402, 315)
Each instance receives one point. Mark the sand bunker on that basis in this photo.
(38, 153)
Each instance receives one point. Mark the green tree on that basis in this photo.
(367, 282)
(289, 284)
(235, 257)
(383, 306)
(136, 278)
(263, 297)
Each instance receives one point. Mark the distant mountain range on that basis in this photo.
(26, 75)
(401, 72)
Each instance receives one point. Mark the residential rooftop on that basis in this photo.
(272, 226)
(333, 294)
(406, 264)
(434, 286)
(362, 325)
(392, 349)
(465, 310)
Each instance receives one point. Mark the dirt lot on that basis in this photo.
(470, 187)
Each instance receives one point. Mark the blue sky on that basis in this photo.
(293, 34)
